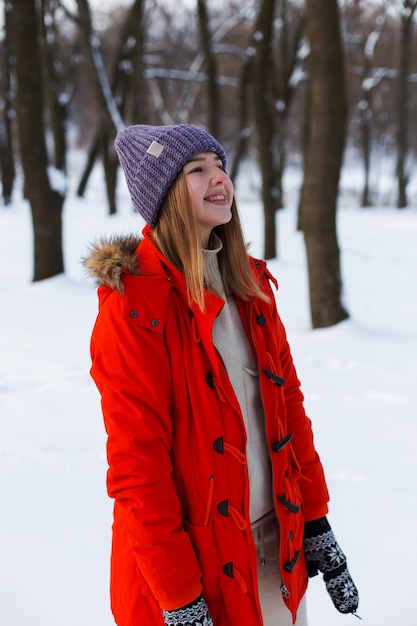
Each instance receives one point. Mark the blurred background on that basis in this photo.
(310, 85)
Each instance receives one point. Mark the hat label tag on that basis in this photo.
(155, 149)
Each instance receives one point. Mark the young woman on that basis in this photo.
(220, 498)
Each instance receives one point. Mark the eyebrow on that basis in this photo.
(199, 159)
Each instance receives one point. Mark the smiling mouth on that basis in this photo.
(218, 197)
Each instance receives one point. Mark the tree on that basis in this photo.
(262, 69)
(7, 169)
(92, 51)
(287, 76)
(45, 197)
(276, 73)
(59, 85)
(325, 146)
(371, 77)
(244, 131)
(214, 113)
(409, 8)
(126, 79)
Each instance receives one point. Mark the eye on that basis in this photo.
(195, 170)
(219, 163)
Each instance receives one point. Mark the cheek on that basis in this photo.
(193, 190)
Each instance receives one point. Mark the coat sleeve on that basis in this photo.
(131, 369)
(313, 484)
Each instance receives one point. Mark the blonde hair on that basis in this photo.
(177, 235)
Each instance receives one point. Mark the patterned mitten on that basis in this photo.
(323, 553)
(194, 614)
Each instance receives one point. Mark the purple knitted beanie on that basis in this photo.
(152, 157)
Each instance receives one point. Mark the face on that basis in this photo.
(211, 192)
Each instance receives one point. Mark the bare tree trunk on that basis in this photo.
(365, 118)
(7, 169)
(127, 84)
(123, 82)
(212, 88)
(58, 102)
(46, 203)
(263, 116)
(305, 137)
(134, 84)
(369, 82)
(110, 170)
(323, 163)
(284, 87)
(409, 8)
(92, 50)
(92, 153)
(244, 130)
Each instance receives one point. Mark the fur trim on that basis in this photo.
(108, 259)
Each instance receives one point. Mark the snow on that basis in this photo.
(359, 380)
(57, 180)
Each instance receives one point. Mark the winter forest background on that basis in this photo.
(315, 103)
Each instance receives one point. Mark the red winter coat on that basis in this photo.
(176, 444)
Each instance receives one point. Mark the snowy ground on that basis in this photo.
(359, 380)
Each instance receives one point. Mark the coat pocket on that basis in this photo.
(205, 548)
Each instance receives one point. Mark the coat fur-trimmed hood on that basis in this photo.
(109, 258)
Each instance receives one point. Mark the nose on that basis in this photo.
(218, 177)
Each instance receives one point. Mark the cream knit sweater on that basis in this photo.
(233, 346)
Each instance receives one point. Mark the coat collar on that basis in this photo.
(116, 264)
